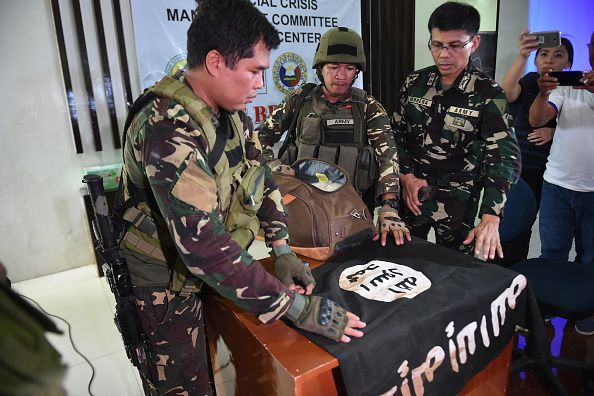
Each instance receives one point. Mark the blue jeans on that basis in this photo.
(564, 215)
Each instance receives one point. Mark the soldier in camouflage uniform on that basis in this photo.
(191, 212)
(341, 124)
(454, 138)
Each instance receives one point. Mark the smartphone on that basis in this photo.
(570, 78)
(548, 39)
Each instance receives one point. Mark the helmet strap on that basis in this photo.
(319, 73)
(355, 78)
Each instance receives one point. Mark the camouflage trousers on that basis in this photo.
(452, 220)
(174, 325)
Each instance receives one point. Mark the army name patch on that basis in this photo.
(464, 112)
(340, 121)
(419, 101)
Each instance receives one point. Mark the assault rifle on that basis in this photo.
(116, 272)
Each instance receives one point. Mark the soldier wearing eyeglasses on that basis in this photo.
(455, 140)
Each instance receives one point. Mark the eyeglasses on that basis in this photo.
(437, 47)
(589, 46)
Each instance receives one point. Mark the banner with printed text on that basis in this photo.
(160, 36)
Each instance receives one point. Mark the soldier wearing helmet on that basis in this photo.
(341, 124)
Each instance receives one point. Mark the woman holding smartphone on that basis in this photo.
(534, 141)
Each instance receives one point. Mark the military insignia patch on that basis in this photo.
(459, 121)
(289, 72)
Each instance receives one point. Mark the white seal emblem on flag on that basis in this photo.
(383, 281)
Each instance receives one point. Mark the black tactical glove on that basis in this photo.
(318, 315)
(289, 269)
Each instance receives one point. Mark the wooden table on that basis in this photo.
(250, 358)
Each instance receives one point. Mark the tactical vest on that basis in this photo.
(240, 188)
(337, 135)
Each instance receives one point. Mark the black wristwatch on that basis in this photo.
(391, 202)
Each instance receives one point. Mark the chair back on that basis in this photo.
(562, 288)
(519, 212)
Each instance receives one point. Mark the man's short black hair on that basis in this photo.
(231, 27)
(455, 16)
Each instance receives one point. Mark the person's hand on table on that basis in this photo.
(388, 222)
(294, 273)
(486, 237)
(322, 316)
(353, 324)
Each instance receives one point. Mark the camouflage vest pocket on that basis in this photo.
(310, 130)
(242, 221)
(196, 188)
(459, 132)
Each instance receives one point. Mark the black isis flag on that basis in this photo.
(435, 317)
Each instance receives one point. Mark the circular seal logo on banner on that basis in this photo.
(383, 281)
(289, 72)
(175, 64)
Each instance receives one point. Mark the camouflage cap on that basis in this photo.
(340, 45)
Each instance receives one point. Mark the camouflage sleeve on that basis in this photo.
(172, 153)
(400, 127)
(502, 160)
(272, 213)
(381, 138)
(272, 128)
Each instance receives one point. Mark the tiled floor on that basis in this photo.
(85, 301)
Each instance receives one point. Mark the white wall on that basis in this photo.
(513, 18)
(42, 221)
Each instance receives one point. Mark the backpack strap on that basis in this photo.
(119, 206)
(291, 136)
(146, 97)
(359, 105)
(220, 141)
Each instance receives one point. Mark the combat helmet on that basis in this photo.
(340, 45)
